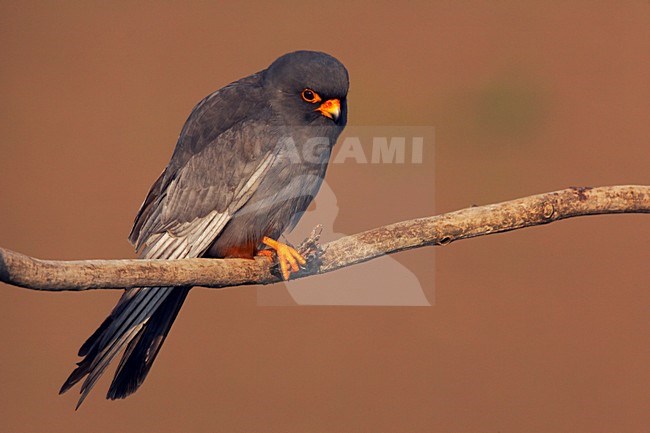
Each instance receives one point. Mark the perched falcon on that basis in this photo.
(249, 160)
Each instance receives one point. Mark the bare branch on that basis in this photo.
(24, 271)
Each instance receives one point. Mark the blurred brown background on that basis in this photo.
(540, 330)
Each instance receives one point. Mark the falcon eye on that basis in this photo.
(310, 96)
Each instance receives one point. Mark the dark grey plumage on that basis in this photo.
(249, 160)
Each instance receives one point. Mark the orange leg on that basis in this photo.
(288, 257)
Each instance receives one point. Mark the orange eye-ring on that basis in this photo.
(310, 96)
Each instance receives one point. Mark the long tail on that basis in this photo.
(140, 321)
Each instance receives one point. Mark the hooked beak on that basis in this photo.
(331, 109)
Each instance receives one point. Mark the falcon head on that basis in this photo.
(308, 88)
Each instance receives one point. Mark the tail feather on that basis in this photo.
(101, 330)
(100, 364)
(90, 342)
(126, 323)
(142, 350)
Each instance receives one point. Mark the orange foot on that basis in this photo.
(288, 257)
